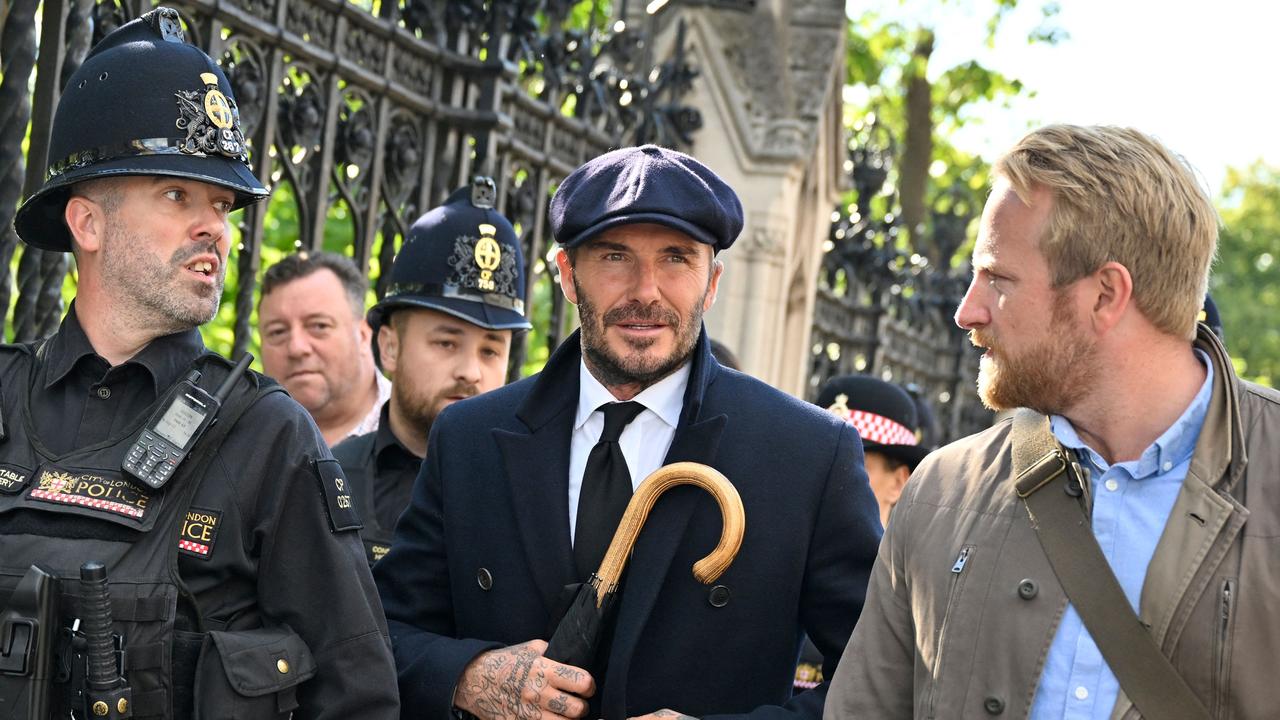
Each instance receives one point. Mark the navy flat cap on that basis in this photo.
(645, 184)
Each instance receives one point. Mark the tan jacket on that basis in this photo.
(942, 637)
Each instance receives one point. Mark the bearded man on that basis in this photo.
(514, 503)
(236, 580)
(1003, 585)
(442, 333)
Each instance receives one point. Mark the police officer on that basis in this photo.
(442, 333)
(237, 581)
(885, 417)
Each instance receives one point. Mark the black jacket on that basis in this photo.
(481, 556)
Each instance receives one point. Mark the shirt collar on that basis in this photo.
(164, 358)
(664, 398)
(1175, 445)
(385, 440)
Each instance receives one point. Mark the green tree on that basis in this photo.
(1246, 279)
(894, 99)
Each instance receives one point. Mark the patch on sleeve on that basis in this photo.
(337, 496)
(376, 551)
(13, 479)
(199, 532)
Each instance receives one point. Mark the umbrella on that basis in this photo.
(578, 634)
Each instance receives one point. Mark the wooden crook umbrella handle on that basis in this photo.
(659, 481)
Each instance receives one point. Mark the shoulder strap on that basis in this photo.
(248, 389)
(23, 349)
(1044, 483)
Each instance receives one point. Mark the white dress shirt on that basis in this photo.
(644, 441)
(374, 416)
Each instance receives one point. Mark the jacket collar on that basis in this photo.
(556, 387)
(1220, 455)
(537, 461)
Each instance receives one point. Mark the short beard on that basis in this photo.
(1048, 377)
(146, 282)
(422, 413)
(615, 371)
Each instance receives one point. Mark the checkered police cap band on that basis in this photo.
(880, 429)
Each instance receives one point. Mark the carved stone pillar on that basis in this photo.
(769, 94)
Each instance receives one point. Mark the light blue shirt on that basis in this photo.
(1131, 504)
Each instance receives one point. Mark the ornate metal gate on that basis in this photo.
(887, 312)
(369, 113)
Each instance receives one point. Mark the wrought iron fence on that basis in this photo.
(884, 311)
(380, 108)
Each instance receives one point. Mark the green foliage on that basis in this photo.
(880, 56)
(1246, 280)
(280, 238)
(540, 317)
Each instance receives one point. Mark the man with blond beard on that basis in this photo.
(1089, 271)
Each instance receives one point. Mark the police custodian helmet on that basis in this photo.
(144, 102)
(462, 258)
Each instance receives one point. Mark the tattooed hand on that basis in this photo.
(665, 714)
(518, 682)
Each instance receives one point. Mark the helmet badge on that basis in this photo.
(211, 121)
(488, 256)
(215, 103)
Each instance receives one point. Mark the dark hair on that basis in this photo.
(723, 355)
(892, 463)
(300, 265)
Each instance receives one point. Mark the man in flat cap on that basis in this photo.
(522, 489)
(236, 580)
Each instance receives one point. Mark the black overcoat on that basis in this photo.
(483, 553)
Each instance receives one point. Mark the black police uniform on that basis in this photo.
(381, 471)
(261, 542)
(463, 259)
(239, 587)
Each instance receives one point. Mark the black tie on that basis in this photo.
(606, 489)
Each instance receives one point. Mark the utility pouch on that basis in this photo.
(251, 674)
(28, 625)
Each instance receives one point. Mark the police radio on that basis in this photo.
(176, 425)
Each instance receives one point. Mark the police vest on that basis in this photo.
(59, 511)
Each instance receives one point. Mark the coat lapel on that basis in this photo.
(697, 439)
(536, 464)
(1204, 523)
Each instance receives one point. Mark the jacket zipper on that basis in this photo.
(1222, 674)
(953, 595)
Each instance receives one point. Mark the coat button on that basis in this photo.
(719, 596)
(484, 578)
(282, 666)
(1027, 589)
(993, 705)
